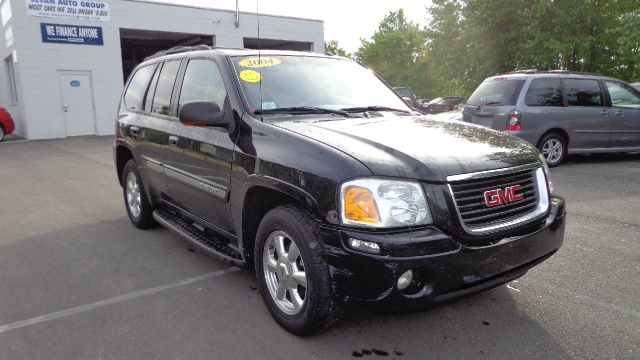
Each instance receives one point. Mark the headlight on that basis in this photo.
(383, 203)
(547, 173)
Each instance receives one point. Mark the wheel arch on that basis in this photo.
(122, 156)
(555, 130)
(264, 194)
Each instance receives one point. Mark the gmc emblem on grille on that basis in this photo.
(499, 196)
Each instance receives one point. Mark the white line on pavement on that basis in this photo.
(113, 300)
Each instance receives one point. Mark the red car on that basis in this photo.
(6, 123)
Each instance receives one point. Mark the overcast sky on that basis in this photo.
(344, 20)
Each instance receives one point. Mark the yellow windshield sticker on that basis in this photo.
(251, 76)
(263, 61)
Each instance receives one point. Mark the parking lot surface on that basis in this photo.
(78, 281)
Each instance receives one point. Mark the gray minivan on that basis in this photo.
(560, 112)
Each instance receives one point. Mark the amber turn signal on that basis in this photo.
(359, 205)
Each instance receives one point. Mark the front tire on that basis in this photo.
(293, 278)
(139, 209)
(554, 149)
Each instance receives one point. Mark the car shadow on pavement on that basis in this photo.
(604, 158)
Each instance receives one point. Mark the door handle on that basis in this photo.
(134, 131)
(604, 112)
(619, 112)
(173, 140)
(65, 108)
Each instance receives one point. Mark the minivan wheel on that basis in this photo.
(293, 278)
(554, 149)
(139, 209)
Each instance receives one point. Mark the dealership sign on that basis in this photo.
(71, 34)
(69, 9)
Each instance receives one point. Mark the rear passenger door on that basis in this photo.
(625, 114)
(144, 132)
(586, 116)
(198, 167)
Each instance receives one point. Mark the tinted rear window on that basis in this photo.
(544, 92)
(138, 87)
(583, 92)
(162, 98)
(496, 92)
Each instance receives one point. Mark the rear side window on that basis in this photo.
(622, 95)
(583, 92)
(203, 82)
(166, 81)
(137, 88)
(496, 92)
(544, 92)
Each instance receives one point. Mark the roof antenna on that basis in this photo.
(259, 56)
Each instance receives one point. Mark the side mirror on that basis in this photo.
(201, 113)
(407, 99)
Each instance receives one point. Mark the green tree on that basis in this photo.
(333, 47)
(396, 51)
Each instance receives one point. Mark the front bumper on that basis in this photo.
(448, 269)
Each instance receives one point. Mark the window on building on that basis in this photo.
(203, 82)
(583, 92)
(166, 81)
(138, 87)
(622, 95)
(11, 80)
(544, 92)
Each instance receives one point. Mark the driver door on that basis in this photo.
(198, 165)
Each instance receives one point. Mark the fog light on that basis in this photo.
(405, 280)
(366, 246)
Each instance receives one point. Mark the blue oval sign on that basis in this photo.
(75, 83)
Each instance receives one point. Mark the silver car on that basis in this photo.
(560, 112)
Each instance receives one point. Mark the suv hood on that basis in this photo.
(415, 147)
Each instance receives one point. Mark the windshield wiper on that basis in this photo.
(481, 106)
(302, 110)
(373, 108)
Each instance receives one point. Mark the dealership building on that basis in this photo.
(65, 61)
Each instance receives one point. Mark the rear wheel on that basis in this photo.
(139, 209)
(554, 148)
(292, 276)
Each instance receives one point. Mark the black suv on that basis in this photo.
(309, 168)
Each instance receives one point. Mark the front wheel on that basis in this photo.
(554, 149)
(292, 276)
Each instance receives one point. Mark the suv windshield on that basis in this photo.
(311, 82)
(496, 91)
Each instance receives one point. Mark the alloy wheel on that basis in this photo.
(134, 197)
(284, 272)
(552, 150)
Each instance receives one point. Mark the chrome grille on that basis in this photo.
(477, 217)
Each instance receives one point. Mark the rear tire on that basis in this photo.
(139, 209)
(553, 147)
(292, 275)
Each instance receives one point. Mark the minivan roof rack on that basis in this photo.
(555, 71)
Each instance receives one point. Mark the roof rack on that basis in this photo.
(554, 71)
(177, 50)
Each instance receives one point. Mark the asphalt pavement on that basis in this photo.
(78, 281)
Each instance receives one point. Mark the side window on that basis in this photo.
(583, 92)
(138, 87)
(166, 80)
(203, 82)
(622, 96)
(544, 92)
(148, 100)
